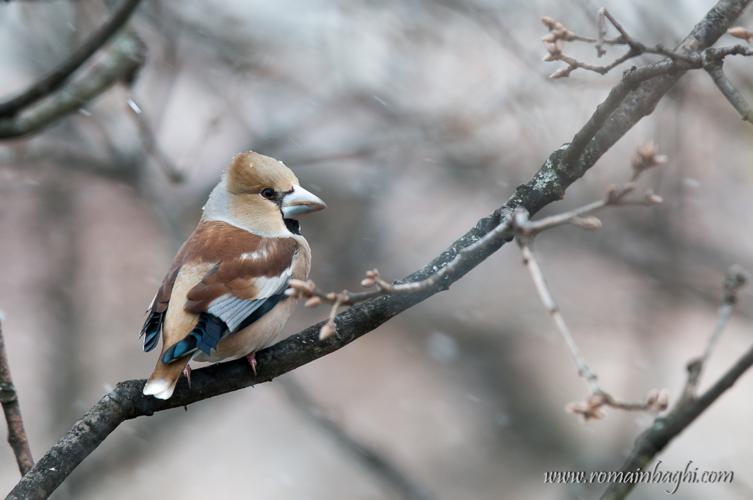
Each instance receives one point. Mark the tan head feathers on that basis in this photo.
(250, 172)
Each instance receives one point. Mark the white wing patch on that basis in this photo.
(257, 254)
(233, 310)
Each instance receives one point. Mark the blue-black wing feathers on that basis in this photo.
(210, 329)
(152, 329)
(204, 337)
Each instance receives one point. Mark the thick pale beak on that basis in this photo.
(301, 202)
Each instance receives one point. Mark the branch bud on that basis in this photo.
(562, 72)
(313, 302)
(590, 222)
(741, 33)
(646, 156)
(549, 22)
(327, 330)
(652, 198)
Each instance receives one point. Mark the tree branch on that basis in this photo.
(17, 439)
(59, 75)
(645, 157)
(716, 71)
(124, 402)
(124, 58)
(733, 282)
(654, 439)
(559, 34)
(525, 231)
(665, 429)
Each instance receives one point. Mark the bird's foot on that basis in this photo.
(187, 374)
(251, 358)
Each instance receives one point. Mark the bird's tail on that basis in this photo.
(163, 379)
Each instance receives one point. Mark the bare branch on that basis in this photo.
(440, 280)
(17, 439)
(689, 407)
(59, 75)
(735, 98)
(631, 82)
(592, 407)
(123, 59)
(554, 311)
(578, 216)
(601, 32)
(640, 48)
(686, 59)
(734, 280)
(526, 230)
(646, 157)
(559, 34)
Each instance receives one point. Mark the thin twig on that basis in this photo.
(734, 280)
(552, 308)
(616, 196)
(525, 230)
(639, 47)
(439, 280)
(646, 157)
(558, 35)
(735, 98)
(59, 75)
(601, 32)
(656, 401)
(690, 406)
(17, 438)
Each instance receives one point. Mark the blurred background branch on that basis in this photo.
(17, 438)
(122, 61)
(57, 77)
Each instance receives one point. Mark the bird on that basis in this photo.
(223, 297)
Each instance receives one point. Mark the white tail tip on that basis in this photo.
(159, 388)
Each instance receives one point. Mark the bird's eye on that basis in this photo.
(268, 193)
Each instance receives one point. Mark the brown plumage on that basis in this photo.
(236, 273)
(223, 296)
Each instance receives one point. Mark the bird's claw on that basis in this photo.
(187, 374)
(251, 358)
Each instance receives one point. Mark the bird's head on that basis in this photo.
(261, 194)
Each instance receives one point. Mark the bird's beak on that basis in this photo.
(300, 202)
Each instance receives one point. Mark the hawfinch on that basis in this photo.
(224, 296)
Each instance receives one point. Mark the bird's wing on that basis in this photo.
(155, 314)
(236, 291)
